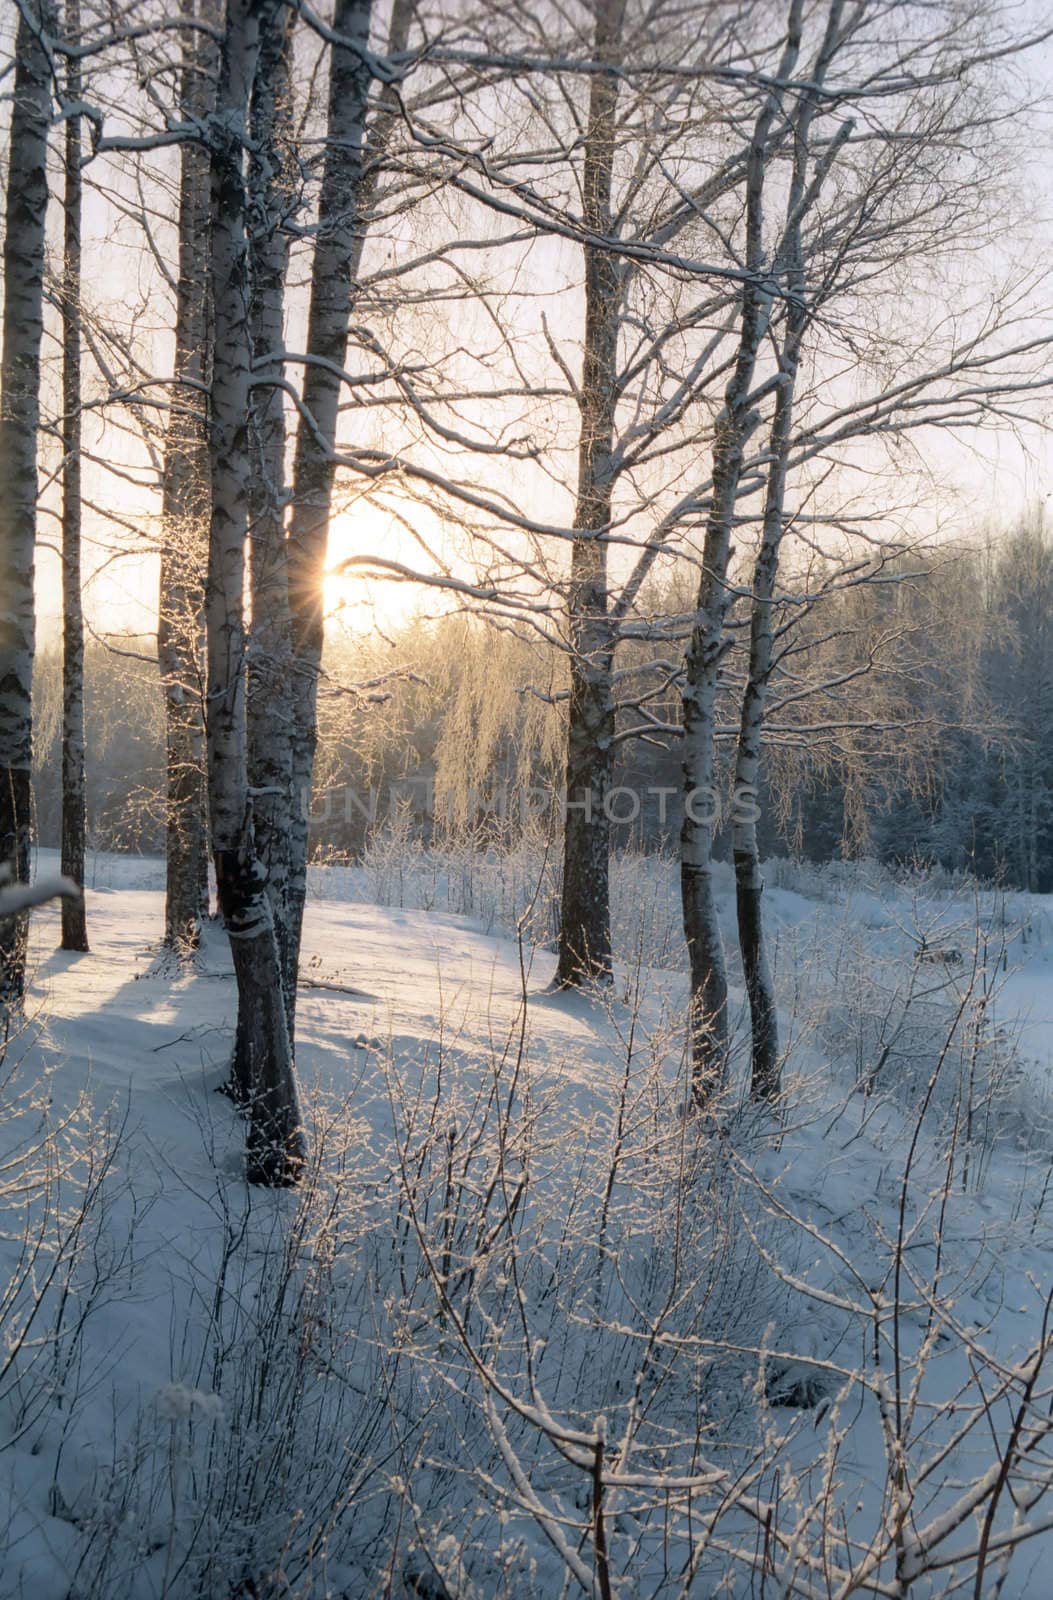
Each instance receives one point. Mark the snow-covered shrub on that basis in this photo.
(578, 1307)
(67, 1223)
(661, 1358)
(835, 879)
(931, 1002)
(253, 1470)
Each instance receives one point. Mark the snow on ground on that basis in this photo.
(507, 1220)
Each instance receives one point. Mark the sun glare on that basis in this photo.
(365, 596)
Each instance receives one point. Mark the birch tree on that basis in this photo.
(708, 1019)
(585, 918)
(273, 194)
(337, 248)
(788, 271)
(184, 517)
(74, 819)
(275, 1138)
(23, 264)
(287, 566)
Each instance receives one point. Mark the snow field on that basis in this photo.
(525, 1329)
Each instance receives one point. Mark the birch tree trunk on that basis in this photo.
(275, 1137)
(269, 656)
(272, 184)
(74, 820)
(585, 913)
(749, 880)
(337, 253)
(708, 1028)
(23, 266)
(185, 514)
(765, 1069)
(708, 1004)
(765, 1072)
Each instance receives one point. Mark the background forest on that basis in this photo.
(964, 780)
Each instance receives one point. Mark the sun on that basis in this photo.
(376, 529)
(363, 597)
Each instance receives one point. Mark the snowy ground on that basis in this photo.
(389, 1383)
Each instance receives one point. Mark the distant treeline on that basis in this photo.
(935, 745)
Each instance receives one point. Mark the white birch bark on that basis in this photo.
(74, 819)
(275, 1138)
(23, 267)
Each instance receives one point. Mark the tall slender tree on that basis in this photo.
(74, 815)
(337, 253)
(273, 191)
(644, 170)
(275, 1137)
(272, 187)
(788, 270)
(708, 643)
(585, 918)
(23, 264)
(185, 500)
